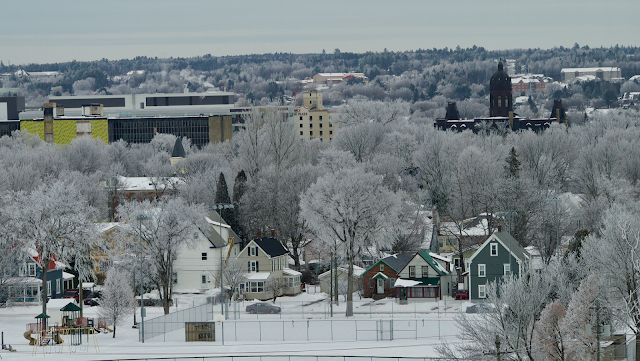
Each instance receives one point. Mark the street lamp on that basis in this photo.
(220, 207)
(141, 218)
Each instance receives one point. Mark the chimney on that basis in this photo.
(273, 233)
(499, 228)
(259, 234)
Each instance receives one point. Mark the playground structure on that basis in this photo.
(70, 332)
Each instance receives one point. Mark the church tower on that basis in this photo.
(501, 99)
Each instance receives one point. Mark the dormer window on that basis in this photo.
(253, 251)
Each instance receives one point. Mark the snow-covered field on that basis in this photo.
(417, 329)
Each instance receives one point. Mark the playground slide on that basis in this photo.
(108, 329)
(27, 335)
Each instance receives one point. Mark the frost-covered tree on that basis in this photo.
(57, 223)
(618, 244)
(515, 304)
(364, 111)
(578, 345)
(117, 301)
(352, 207)
(550, 340)
(171, 223)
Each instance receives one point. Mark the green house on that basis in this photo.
(500, 255)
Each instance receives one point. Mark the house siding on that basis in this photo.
(494, 267)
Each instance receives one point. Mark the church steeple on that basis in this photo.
(501, 99)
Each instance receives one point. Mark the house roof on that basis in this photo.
(426, 255)
(212, 233)
(380, 275)
(406, 283)
(396, 261)
(357, 271)
(506, 240)
(270, 246)
(257, 276)
(290, 272)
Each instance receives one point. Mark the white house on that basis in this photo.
(197, 267)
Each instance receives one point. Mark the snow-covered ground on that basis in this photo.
(417, 329)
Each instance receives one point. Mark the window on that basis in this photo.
(311, 117)
(412, 271)
(257, 286)
(499, 101)
(330, 124)
(311, 133)
(425, 271)
(507, 269)
(320, 123)
(321, 119)
(300, 119)
(300, 123)
(456, 262)
(482, 270)
(301, 132)
(253, 266)
(381, 267)
(58, 290)
(321, 132)
(204, 256)
(392, 282)
(331, 132)
(273, 265)
(32, 269)
(482, 293)
(253, 251)
(204, 279)
(494, 249)
(310, 125)
(175, 277)
(48, 288)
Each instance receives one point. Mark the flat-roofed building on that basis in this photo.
(312, 119)
(602, 73)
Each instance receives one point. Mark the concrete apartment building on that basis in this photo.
(603, 73)
(312, 120)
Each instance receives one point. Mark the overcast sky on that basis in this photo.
(33, 31)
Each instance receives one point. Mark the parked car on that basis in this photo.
(462, 295)
(74, 294)
(91, 300)
(263, 307)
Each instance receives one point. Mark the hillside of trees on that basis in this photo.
(427, 79)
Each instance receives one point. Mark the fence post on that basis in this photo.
(331, 330)
(356, 330)
(222, 333)
(283, 331)
(260, 327)
(302, 309)
(307, 330)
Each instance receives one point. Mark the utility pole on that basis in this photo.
(331, 284)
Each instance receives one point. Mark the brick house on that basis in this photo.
(378, 280)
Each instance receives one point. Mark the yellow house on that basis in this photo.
(312, 119)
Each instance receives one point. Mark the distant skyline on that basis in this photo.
(41, 32)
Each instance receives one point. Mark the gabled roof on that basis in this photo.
(271, 246)
(426, 255)
(506, 240)
(396, 261)
(212, 232)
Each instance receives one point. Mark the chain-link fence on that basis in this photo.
(296, 310)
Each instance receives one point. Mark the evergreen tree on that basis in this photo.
(239, 187)
(513, 164)
(222, 197)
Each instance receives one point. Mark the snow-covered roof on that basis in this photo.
(217, 224)
(146, 183)
(67, 276)
(357, 271)
(257, 276)
(440, 257)
(406, 283)
(103, 227)
(635, 77)
(57, 303)
(381, 275)
(290, 272)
